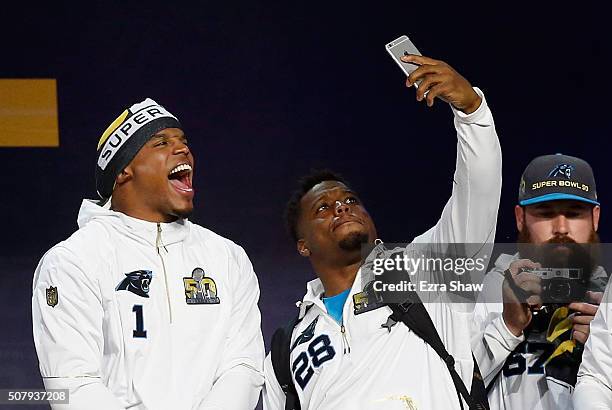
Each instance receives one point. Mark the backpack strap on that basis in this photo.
(280, 355)
(492, 382)
(477, 389)
(417, 319)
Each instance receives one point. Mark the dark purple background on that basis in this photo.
(267, 91)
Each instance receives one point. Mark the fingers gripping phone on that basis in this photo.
(400, 47)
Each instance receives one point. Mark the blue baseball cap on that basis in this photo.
(555, 177)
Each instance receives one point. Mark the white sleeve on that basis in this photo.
(492, 342)
(68, 335)
(493, 345)
(594, 386)
(273, 395)
(470, 215)
(240, 377)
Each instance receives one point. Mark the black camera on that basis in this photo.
(561, 285)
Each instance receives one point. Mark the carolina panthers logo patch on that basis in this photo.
(562, 169)
(200, 289)
(137, 282)
(306, 335)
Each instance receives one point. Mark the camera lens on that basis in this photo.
(559, 292)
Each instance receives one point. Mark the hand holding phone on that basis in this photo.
(400, 47)
(433, 78)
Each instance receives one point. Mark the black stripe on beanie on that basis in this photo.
(105, 179)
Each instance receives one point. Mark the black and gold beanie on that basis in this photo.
(123, 139)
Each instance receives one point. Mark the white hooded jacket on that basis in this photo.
(594, 385)
(519, 383)
(363, 365)
(181, 331)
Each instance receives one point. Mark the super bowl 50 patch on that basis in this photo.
(52, 297)
(200, 289)
(367, 300)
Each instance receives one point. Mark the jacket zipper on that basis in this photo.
(158, 242)
(345, 343)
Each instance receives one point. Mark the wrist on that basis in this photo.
(473, 104)
(515, 328)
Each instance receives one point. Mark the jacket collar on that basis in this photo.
(315, 291)
(172, 232)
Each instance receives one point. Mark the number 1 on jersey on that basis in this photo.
(139, 332)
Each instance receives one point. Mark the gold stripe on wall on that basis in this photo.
(28, 113)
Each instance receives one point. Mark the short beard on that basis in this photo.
(353, 241)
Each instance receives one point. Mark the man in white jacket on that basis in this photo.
(342, 357)
(524, 363)
(140, 308)
(594, 386)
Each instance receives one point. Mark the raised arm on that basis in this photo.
(470, 215)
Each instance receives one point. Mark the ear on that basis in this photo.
(302, 248)
(519, 215)
(123, 176)
(596, 210)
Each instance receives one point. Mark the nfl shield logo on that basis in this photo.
(52, 296)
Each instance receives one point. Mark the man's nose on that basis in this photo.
(560, 225)
(340, 208)
(181, 148)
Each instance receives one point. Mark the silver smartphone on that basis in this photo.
(400, 47)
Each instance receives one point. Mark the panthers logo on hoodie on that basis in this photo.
(137, 282)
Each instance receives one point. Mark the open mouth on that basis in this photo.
(180, 178)
(145, 285)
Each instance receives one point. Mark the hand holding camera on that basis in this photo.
(585, 313)
(527, 285)
(521, 294)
